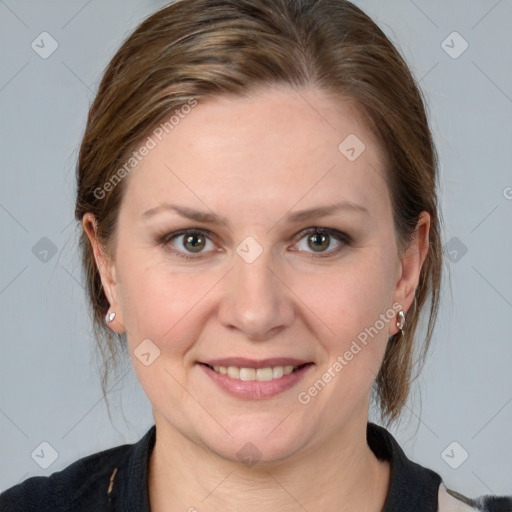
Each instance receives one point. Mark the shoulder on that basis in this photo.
(415, 488)
(452, 501)
(83, 485)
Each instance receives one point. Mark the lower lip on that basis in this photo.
(255, 389)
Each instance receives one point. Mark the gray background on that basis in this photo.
(48, 379)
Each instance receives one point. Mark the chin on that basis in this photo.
(256, 443)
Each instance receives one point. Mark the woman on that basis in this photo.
(257, 189)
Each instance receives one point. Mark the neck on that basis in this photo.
(342, 474)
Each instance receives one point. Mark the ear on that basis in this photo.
(107, 272)
(410, 267)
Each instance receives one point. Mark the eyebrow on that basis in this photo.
(293, 217)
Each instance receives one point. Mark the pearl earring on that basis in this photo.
(109, 317)
(401, 319)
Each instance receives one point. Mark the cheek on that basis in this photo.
(348, 297)
(352, 303)
(162, 305)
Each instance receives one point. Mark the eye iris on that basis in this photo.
(193, 240)
(321, 241)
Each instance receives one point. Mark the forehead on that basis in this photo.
(275, 146)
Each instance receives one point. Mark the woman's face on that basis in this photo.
(260, 284)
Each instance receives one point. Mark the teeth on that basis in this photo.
(261, 374)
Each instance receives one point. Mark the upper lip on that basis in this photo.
(243, 362)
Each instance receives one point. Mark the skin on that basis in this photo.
(253, 161)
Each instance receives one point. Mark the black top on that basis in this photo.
(115, 480)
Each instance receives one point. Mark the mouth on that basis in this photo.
(256, 382)
(260, 373)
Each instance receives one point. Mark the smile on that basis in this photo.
(260, 374)
(255, 383)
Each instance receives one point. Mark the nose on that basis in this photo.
(256, 300)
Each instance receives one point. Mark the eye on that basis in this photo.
(193, 241)
(190, 243)
(320, 239)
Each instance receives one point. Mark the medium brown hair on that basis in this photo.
(194, 49)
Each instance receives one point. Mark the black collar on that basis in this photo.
(412, 487)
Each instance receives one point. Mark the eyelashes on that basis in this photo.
(189, 235)
(199, 238)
